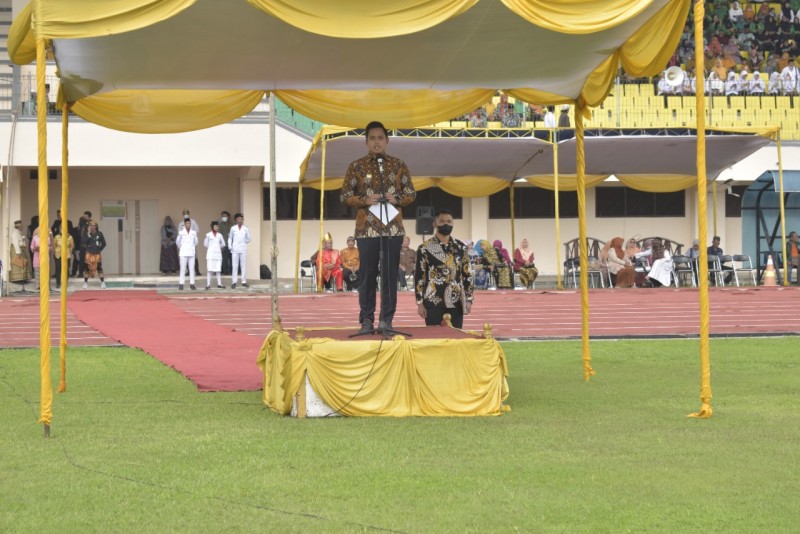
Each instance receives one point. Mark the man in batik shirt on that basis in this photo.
(442, 277)
(370, 179)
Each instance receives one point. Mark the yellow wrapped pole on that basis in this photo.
(46, 394)
(297, 236)
(513, 238)
(714, 206)
(702, 223)
(321, 215)
(62, 381)
(580, 163)
(559, 283)
(783, 216)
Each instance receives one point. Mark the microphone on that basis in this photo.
(380, 164)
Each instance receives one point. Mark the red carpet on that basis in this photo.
(214, 357)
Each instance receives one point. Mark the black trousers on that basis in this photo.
(436, 316)
(369, 250)
(226, 261)
(348, 283)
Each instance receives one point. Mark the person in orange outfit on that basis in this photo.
(331, 264)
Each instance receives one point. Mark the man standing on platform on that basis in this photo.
(442, 277)
(378, 184)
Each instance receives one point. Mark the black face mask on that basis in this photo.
(445, 229)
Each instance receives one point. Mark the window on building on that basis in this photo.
(287, 205)
(627, 202)
(733, 202)
(439, 199)
(533, 203)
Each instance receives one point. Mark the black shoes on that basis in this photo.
(245, 284)
(366, 328)
(233, 286)
(220, 287)
(180, 287)
(208, 287)
(192, 287)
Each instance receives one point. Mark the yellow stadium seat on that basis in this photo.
(736, 102)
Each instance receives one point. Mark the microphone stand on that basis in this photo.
(383, 254)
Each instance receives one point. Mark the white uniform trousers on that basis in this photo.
(239, 262)
(187, 261)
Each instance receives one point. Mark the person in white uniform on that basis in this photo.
(214, 243)
(187, 244)
(237, 241)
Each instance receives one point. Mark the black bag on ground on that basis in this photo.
(266, 274)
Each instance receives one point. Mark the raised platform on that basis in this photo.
(439, 371)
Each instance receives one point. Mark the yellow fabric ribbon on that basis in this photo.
(356, 19)
(577, 16)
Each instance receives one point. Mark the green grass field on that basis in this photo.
(135, 447)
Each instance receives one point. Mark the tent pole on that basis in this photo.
(297, 235)
(786, 272)
(559, 282)
(46, 385)
(513, 237)
(580, 165)
(64, 281)
(714, 204)
(702, 223)
(273, 211)
(321, 216)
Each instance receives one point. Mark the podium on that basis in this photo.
(440, 371)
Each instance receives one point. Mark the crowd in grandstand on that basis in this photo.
(749, 49)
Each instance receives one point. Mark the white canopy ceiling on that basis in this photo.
(511, 158)
(227, 44)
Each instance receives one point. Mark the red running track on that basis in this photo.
(615, 313)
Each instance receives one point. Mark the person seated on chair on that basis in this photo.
(619, 266)
(716, 250)
(497, 265)
(642, 261)
(479, 272)
(661, 269)
(793, 249)
(331, 264)
(523, 264)
(351, 263)
(408, 258)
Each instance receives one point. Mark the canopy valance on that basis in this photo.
(350, 61)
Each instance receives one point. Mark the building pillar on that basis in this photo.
(250, 184)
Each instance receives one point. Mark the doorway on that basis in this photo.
(133, 241)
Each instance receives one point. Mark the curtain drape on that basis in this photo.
(358, 19)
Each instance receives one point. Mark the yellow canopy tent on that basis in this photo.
(172, 65)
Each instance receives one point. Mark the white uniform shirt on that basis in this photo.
(186, 241)
(17, 241)
(239, 238)
(214, 244)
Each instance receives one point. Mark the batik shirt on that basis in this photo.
(363, 179)
(442, 277)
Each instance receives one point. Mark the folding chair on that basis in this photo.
(744, 266)
(715, 269)
(681, 266)
(311, 274)
(595, 270)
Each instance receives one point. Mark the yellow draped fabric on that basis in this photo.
(439, 377)
(577, 16)
(566, 182)
(96, 18)
(397, 108)
(363, 20)
(460, 186)
(167, 111)
(658, 183)
(21, 43)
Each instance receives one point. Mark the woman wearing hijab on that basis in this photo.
(169, 262)
(731, 85)
(619, 266)
(480, 273)
(774, 83)
(93, 243)
(498, 266)
(523, 264)
(661, 270)
(756, 85)
(36, 250)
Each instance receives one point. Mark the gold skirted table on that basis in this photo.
(438, 371)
